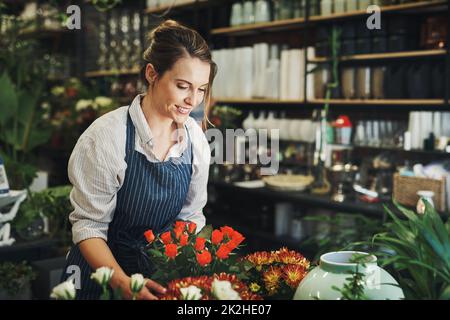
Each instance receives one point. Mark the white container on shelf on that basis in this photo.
(326, 7)
(236, 18)
(283, 216)
(339, 6)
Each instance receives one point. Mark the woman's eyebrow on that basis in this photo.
(191, 83)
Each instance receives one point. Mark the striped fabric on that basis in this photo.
(151, 197)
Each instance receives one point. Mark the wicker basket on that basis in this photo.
(405, 190)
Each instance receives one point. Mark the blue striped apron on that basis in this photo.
(151, 197)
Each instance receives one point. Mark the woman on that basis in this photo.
(143, 166)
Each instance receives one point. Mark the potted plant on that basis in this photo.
(15, 281)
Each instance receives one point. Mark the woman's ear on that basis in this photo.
(150, 73)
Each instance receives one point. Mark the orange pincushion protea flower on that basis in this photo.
(260, 258)
(293, 274)
(272, 278)
(204, 283)
(286, 256)
(171, 250)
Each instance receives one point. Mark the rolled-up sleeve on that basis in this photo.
(197, 195)
(93, 173)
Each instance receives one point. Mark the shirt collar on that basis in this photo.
(143, 129)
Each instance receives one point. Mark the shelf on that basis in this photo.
(391, 8)
(306, 198)
(107, 73)
(278, 25)
(387, 55)
(175, 5)
(256, 27)
(387, 102)
(45, 33)
(417, 151)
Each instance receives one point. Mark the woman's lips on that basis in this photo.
(183, 110)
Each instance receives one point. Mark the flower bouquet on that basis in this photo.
(276, 274)
(180, 252)
(217, 287)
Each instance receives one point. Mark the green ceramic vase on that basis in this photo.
(334, 268)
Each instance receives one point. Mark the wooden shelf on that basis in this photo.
(175, 5)
(391, 8)
(107, 73)
(400, 102)
(45, 33)
(301, 22)
(387, 55)
(258, 27)
(396, 102)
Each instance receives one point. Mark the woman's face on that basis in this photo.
(181, 89)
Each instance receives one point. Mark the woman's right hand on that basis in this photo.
(147, 293)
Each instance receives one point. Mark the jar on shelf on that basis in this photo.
(363, 82)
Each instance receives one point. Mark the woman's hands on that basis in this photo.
(148, 292)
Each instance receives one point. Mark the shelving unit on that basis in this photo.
(175, 5)
(358, 102)
(387, 55)
(108, 73)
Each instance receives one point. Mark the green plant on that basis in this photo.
(53, 203)
(15, 277)
(321, 184)
(22, 127)
(416, 248)
(353, 288)
(343, 229)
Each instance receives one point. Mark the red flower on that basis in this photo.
(166, 237)
(192, 226)
(178, 232)
(200, 244)
(216, 236)
(180, 224)
(184, 240)
(228, 231)
(223, 252)
(149, 236)
(71, 92)
(204, 258)
(171, 250)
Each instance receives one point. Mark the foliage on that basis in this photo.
(22, 127)
(416, 247)
(225, 117)
(180, 253)
(342, 230)
(53, 203)
(276, 274)
(15, 277)
(353, 289)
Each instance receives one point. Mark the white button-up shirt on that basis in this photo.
(97, 170)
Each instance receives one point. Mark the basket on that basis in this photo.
(405, 190)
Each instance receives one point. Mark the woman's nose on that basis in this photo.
(191, 99)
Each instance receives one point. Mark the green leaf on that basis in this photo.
(206, 232)
(8, 100)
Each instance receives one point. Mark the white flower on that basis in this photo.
(420, 207)
(103, 102)
(191, 293)
(102, 275)
(222, 290)
(58, 90)
(83, 104)
(64, 291)
(137, 282)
